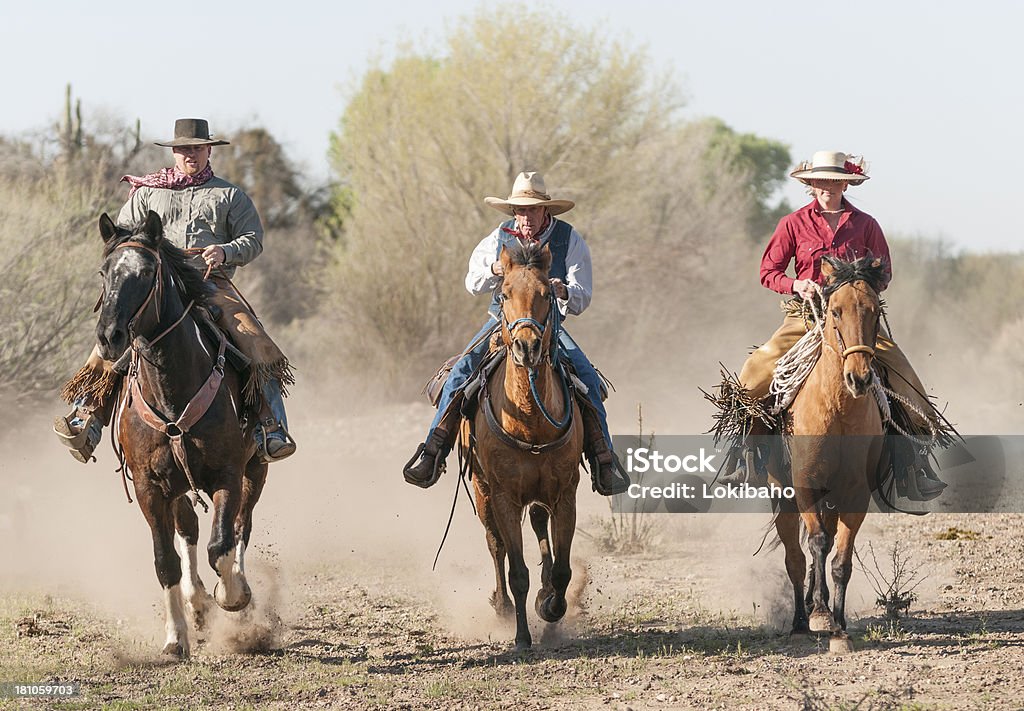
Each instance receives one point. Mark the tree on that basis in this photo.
(422, 141)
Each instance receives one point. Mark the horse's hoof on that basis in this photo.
(502, 606)
(801, 631)
(174, 649)
(822, 622)
(551, 609)
(524, 646)
(840, 644)
(237, 607)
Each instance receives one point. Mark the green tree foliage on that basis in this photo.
(763, 165)
(424, 140)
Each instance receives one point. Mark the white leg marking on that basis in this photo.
(175, 624)
(192, 588)
(232, 591)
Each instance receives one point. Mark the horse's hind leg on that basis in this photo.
(186, 523)
(499, 598)
(787, 525)
(563, 526)
(539, 522)
(158, 513)
(232, 592)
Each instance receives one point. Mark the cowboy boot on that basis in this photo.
(428, 463)
(82, 428)
(606, 474)
(924, 484)
(273, 443)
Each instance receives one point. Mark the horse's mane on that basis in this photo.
(869, 269)
(187, 276)
(527, 255)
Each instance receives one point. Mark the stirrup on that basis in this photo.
(263, 437)
(440, 456)
(621, 481)
(83, 442)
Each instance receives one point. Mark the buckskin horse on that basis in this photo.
(177, 421)
(525, 443)
(835, 447)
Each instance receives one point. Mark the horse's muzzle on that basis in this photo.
(857, 384)
(113, 341)
(526, 352)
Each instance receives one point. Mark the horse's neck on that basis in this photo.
(172, 369)
(521, 408)
(826, 391)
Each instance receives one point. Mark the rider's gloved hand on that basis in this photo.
(804, 288)
(561, 290)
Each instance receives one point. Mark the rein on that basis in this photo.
(565, 425)
(197, 406)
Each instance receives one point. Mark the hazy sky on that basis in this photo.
(929, 92)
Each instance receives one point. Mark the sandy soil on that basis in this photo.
(349, 614)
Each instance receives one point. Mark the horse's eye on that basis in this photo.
(835, 313)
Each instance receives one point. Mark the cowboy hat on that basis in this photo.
(831, 165)
(528, 189)
(191, 132)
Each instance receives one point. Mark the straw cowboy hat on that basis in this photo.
(191, 132)
(528, 189)
(832, 165)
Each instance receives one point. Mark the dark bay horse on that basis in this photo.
(835, 447)
(528, 444)
(177, 375)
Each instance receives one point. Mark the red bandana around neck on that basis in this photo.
(521, 236)
(170, 178)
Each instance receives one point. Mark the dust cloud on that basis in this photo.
(340, 505)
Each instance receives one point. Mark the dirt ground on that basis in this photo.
(348, 613)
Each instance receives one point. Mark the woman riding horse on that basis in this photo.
(831, 225)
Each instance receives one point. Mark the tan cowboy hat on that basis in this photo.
(832, 165)
(528, 189)
(192, 132)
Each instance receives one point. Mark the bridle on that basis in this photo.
(856, 348)
(551, 326)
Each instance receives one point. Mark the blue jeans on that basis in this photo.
(469, 362)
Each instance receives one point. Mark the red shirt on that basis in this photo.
(805, 235)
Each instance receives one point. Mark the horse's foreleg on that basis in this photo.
(227, 552)
(252, 487)
(499, 598)
(787, 525)
(539, 518)
(563, 526)
(820, 543)
(157, 511)
(842, 565)
(506, 516)
(186, 524)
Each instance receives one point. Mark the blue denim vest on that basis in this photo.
(558, 242)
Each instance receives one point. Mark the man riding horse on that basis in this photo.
(831, 225)
(534, 221)
(216, 222)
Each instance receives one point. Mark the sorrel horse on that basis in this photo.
(528, 444)
(835, 447)
(170, 444)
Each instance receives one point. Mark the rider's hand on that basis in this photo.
(214, 256)
(561, 290)
(804, 288)
(497, 268)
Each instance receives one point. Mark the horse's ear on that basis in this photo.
(545, 258)
(505, 257)
(108, 230)
(826, 267)
(153, 227)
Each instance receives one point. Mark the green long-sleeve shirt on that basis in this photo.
(215, 212)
